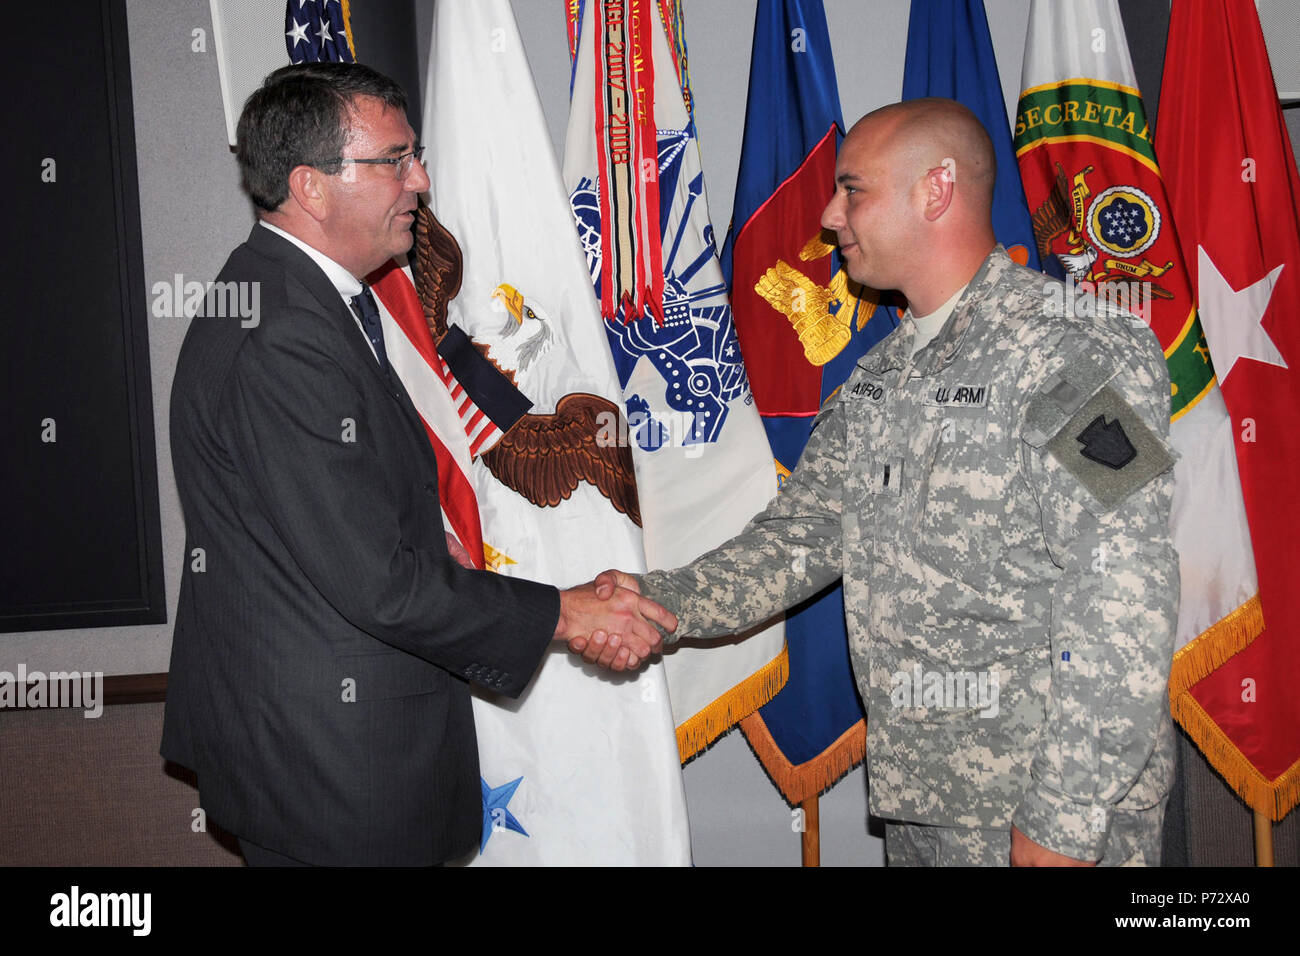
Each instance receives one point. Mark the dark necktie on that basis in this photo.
(364, 304)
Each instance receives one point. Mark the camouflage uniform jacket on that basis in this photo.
(998, 508)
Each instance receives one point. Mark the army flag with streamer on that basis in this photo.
(1235, 193)
(703, 466)
(1100, 207)
(802, 326)
(583, 768)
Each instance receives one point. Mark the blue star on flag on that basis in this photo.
(495, 812)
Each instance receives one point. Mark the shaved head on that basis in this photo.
(919, 135)
(913, 201)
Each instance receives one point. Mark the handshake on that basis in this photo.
(610, 624)
(607, 621)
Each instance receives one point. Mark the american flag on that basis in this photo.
(481, 430)
(317, 31)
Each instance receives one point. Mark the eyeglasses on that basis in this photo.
(402, 165)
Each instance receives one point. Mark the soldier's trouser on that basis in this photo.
(1134, 841)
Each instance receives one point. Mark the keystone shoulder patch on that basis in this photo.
(1106, 443)
(1109, 448)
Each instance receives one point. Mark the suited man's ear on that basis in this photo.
(308, 187)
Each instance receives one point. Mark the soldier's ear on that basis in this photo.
(309, 189)
(940, 185)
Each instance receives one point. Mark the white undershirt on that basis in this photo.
(928, 326)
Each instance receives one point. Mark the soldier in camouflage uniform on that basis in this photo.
(998, 506)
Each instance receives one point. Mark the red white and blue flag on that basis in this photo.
(583, 769)
(318, 31)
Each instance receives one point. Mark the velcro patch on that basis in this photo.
(886, 477)
(1109, 448)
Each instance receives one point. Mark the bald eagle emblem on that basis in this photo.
(526, 327)
(543, 457)
(1097, 237)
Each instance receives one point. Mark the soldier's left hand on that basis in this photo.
(1025, 852)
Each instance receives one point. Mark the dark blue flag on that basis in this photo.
(950, 53)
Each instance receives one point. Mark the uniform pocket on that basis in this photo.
(962, 502)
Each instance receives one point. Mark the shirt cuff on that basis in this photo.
(646, 582)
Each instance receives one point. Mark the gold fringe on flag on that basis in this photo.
(702, 728)
(347, 28)
(1197, 658)
(1193, 662)
(813, 777)
(1273, 798)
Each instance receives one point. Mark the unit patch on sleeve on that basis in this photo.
(1109, 448)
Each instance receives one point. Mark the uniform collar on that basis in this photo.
(895, 352)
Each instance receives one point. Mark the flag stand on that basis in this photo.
(811, 839)
(1263, 839)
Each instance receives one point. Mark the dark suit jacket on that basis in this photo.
(324, 637)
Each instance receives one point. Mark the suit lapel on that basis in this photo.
(294, 260)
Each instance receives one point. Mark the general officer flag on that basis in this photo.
(1235, 192)
(1101, 210)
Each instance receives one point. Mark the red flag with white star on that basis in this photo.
(1233, 187)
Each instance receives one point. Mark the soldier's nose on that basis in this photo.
(831, 215)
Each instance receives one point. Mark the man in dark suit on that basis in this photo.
(325, 635)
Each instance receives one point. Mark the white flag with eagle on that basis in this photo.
(583, 768)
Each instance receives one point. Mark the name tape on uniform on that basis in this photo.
(957, 396)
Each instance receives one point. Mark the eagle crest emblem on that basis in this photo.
(543, 457)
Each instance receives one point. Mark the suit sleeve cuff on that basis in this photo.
(536, 612)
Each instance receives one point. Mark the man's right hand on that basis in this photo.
(611, 626)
